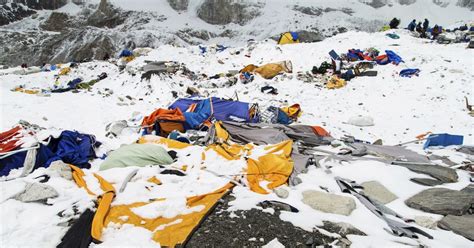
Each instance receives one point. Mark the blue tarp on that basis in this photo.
(125, 53)
(393, 57)
(443, 139)
(71, 147)
(409, 72)
(222, 110)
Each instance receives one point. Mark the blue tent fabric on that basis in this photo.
(217, 108)
(125, 53)
(75, 148)
(334, 55)
(393, 36)
(16, 161)
(393, 57)
(71, 147)
(409, 72)
(283, 118)
(294, 35)
(443, 139)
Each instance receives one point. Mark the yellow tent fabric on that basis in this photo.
(173, 144)
(293, 111)
(231, 152)
(335, 83)
(249, 68)
(104, 200)
(169, 231)
(272, 168)
(287, 38)
(385, 28)
(104, 205)
(221, 134)
(65, 71)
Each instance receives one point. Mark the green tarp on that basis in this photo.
(137, 155)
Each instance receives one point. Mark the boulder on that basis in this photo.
(426, 181)
(444, 174)
(281, 192)
(179, 5)
(223, 12)
(57, 22)
(462, 225)
(341, 228)
(377, 191)
(442, 201)
(425, 221)
(329, 203)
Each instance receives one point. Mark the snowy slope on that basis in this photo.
(153, 23)
(401, 107)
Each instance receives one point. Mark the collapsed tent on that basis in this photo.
(269, 71)
(288, 38)
(255, 164)
(70, 147)
(199, 111)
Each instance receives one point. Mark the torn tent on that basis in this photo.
(70, 147)
(269, 71)
(260, 164)
(136, 155)
(389, 57)
(262, 134)
(201, 111)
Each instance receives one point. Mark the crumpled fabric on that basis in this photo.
(36, 192)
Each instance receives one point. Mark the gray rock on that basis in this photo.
(314, 11)
(222, 12)
(309, 36)
(444, 174)
(469, 189)
(426, 181)
(425, 221)
(329, 203)
(57, 21)
(462, 225)
(341, 228)
(179, 5)
(281, 192)
(13, 12)
(442, 201)
(377, 191)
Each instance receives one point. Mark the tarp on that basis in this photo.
(71, 147)
(217, 108)
(443, 139)
(137, 155)
(409, 72)
(169, 232)
(393, 57)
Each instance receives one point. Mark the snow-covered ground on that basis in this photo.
(402, 108)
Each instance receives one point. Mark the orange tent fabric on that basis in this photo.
(320, 131)
(174, 115)
(169, 231)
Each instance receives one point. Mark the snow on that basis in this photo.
(401, 108)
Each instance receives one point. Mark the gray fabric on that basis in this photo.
(36, 192)
(393, 153)
(377, 208)
(245, 133)
(271, 132)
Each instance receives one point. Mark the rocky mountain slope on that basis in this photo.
(57, 31)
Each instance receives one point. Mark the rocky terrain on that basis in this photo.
(55, 31)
